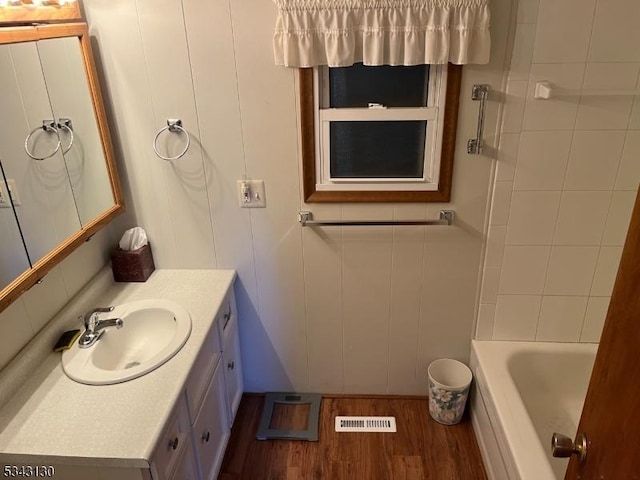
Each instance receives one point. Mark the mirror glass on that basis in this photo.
(56, 158)
(40, 189)
(70, 97)
(13, 254)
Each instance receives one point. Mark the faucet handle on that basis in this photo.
(89, 315)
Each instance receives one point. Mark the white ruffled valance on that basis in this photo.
(340, 33)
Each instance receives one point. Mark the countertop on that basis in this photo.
(52, 419)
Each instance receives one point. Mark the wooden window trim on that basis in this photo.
(308, 133)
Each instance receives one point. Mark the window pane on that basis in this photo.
(396, 86)
(377, 149)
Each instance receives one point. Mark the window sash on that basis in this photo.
(433, 114)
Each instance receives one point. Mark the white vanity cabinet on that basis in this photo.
(211, 428)
(231, 360)
(194, 440)
(172, 424)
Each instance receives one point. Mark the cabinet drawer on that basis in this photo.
(211, 430)
(173, 442)
(202, 371)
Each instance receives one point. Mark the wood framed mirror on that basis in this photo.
(58, 179)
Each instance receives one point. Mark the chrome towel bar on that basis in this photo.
(306, 220)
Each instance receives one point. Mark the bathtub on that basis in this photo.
(523, 392)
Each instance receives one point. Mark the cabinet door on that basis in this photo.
(172, 443)
(233, 371)
(187, 467)
(211, 430)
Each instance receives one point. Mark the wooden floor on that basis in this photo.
(421, 448)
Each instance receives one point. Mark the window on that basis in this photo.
(378, 134)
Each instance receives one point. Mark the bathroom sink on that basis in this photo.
(153, 331)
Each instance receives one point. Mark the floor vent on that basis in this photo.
(365, 424)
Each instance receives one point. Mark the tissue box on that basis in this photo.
(132, 265)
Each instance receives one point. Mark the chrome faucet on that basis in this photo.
(94, 327)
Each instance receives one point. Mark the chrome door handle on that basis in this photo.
(563, 447)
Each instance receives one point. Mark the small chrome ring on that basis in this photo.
(46, 128)
(172, 126)
(70, 130)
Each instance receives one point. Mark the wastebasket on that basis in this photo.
(449, 382)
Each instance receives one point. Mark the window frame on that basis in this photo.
(309, 118)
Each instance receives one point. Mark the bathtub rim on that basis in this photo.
(510, 421)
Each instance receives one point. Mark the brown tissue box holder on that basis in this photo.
(132, 265)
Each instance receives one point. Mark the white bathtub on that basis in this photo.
(525, 391)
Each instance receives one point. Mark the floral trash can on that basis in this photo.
(449, 382)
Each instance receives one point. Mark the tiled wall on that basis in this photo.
(567, 172)
(330, 310)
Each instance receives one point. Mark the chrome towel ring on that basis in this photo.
(174, 125)
(66, 124)
(47, 126)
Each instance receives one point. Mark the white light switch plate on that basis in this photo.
(5, 198)
(251, 194)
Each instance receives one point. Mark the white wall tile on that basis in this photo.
(571, 270)
(606, 271)
(507, 157)
(533, 218)
(525, 36)
(495, 245)
(615, 36)
(523, 270)
(634, 121)
(542, 160)
(561, 318)
(615, 230)
(500, 203)
(628, 177)
(490, 283)
(605, 113)
(614, 76)
(528, 11)
(594, 319)
(593, 160)
(563, 31)
(514, 104)
(581, 218)
(553, 114)
(486, 318)
(516, 317)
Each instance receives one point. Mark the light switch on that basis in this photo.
(251, 194)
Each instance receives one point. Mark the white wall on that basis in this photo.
(568, 171)
(331, 310)
(25, 317)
